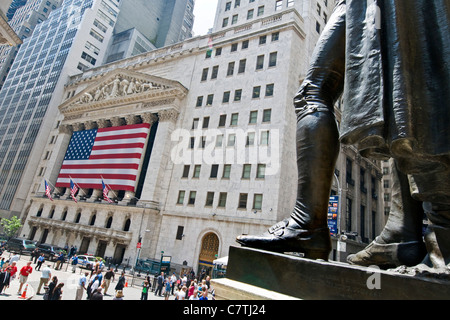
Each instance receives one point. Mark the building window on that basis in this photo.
(242, 64)
(246, 171)
(231, 140)
(199, 101)
(264, 138)
(261, 171)
(205, 74)
(196, 173)
(214, 170)
(230, 69)
(192, 196)
(215, 72)
(278, 5)
(209, 199)
(257, 201)
(256, 92)
(267, 115)
(253, 117)
(222, 200)
(260, 62)
(243, 201)
(226, 97)
(269, 90)
(180, 233)
(250, 139)
(273, 59)
(186, 171)
(222, 120)
(180, 199)
(234, 119)
(226, 171)
(238, 95)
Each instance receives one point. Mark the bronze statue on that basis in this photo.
(390, 60)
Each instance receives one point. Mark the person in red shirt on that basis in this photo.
(23, 275)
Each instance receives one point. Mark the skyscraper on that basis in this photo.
(23, 15)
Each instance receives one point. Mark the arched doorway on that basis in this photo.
(208, 253)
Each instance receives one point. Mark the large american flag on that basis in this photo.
(110, 154)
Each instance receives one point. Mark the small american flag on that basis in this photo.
(113, 154)
(105, 193)
(73, 190)
(48, 191)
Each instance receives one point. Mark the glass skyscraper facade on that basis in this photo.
(28, 90)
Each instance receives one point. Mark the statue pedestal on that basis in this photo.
(301, 278)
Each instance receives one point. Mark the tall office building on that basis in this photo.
(23, 15)
(75, 34)
(216, 150)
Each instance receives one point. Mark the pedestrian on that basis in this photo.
(119, 295)
(51, 288)
(145, 289)
(74, 263)
(40, 261)
(13, 272)
(109, 276)
(204, 295)
(81, 287)
(160, 283)
(46, 274)
(181, 294)
(194, 296)
(2, 262)
(173, 280)
(34, 254)
(60, 261)
(121, 282)
(5, 277)
(97, 294)
(23, 275)
(167, 289)
(94, 283)
(57, 292)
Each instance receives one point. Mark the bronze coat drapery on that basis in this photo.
(391, 60)
(397, 80)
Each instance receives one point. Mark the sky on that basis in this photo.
(204, 12)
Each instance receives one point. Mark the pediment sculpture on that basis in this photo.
(120, 86)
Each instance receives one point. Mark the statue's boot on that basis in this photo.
(400, 242)
(437, 236)
(306, 231)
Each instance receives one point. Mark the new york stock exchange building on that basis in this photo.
(180, 149)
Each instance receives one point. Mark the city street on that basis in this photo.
(70, 280)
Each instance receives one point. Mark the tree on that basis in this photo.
(11, 226)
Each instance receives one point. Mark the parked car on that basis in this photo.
(86, 261)
(50, 252)
(21, 246)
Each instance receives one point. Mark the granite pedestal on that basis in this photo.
(315, 279)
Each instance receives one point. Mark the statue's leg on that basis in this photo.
(306, 229)
(400, 242)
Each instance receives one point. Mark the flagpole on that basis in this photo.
(81, 189)
(115, 195)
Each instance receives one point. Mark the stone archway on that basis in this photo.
(208, 253)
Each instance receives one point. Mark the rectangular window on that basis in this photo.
(261, 171)
(238, 95)
(196, 173)
(253, 117)
(226, 97)
(222, 120)
(180, 199)
(269, 90)
(215, 72)
(222, 200)
(256, 92)
(243, 201)
(199, 101)
(230, 69)
(250, 139)
(273, 59)
(186, 171)
(180, 233)
(260, 62)
(257, 201)
(231, 140)
(214, 170)
(209, 199)
(246, 171)
(192, 196)
(226, 171)
(205, 74)
(264, 138)
(242, 64)
(267, 115)
(234, 119)
(219, 140)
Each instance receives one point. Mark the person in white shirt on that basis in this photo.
(46, 274)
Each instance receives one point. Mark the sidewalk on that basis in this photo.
(70, 280)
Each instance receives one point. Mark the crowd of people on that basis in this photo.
(96, 283)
